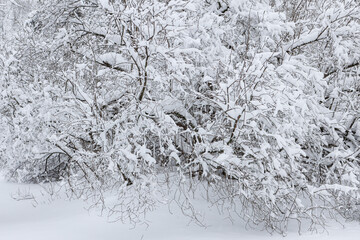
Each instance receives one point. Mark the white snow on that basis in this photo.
(105, 4)
(68, 220)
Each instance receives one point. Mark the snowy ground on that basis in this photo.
(64, 220)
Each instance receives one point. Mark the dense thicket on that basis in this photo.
(257, 101)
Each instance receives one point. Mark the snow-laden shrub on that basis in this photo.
(256, 100)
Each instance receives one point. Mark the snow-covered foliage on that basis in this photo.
(258, 101)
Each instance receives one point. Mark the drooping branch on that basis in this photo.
(308, 39)
(354, 64)
(102, 63)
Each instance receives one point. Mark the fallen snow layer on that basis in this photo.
(68, 220)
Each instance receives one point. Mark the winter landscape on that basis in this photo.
(179, 119)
